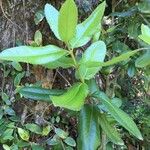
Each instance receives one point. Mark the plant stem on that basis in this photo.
(74, 60)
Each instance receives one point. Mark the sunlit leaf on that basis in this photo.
(89, 27)
(67, 20)
(73, 99)
(51, 15)
(96, 52)
(33, 55)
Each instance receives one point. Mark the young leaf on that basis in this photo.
(51, 15)
(143, 60)
(89, 27)
(73, 99)
(96, 52)
(110, 131)
(37, 93)
(119, 115)
(33, 55)
(67, 20)
(23, 134)
(89, 132)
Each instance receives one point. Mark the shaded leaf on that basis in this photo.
(110, 131)
(70, 141)
(119, 115)
(61, 133)
(37, 93)
(143, 60)
(89, 132)
(33, 128)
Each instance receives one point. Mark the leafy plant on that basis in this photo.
(94, 116)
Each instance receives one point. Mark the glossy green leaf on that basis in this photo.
(96, 52)
(89, 27)
(37, 93)
(145, 36)
(73, 99)
(88, 130)
(33, 128)
(110, 131)
(51, 15)
(64, 62)
(119, 115)
(23, 134)
(33, 55)
(114, 60)
(67, 20)
(143, 60)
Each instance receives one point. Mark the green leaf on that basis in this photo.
(18, 78)
(89, 27)
(143, 60)
(145, 36)
(34, 128)
(70, 141)
(73, 99)
(114, 60)
(110, 131)
(119, 115)
(89, 132)
(33, 55)
(64, 62)
(8, 134)
(6, 147)
(23, 134)
(38, 37)
(39, 15)
(61, 133)
(96, 52)
(67, 20)
(46, 130)
(51, 15)
(37, 93)
(35, 146)
(17, 66)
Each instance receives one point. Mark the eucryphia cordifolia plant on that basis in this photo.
(93, 117)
